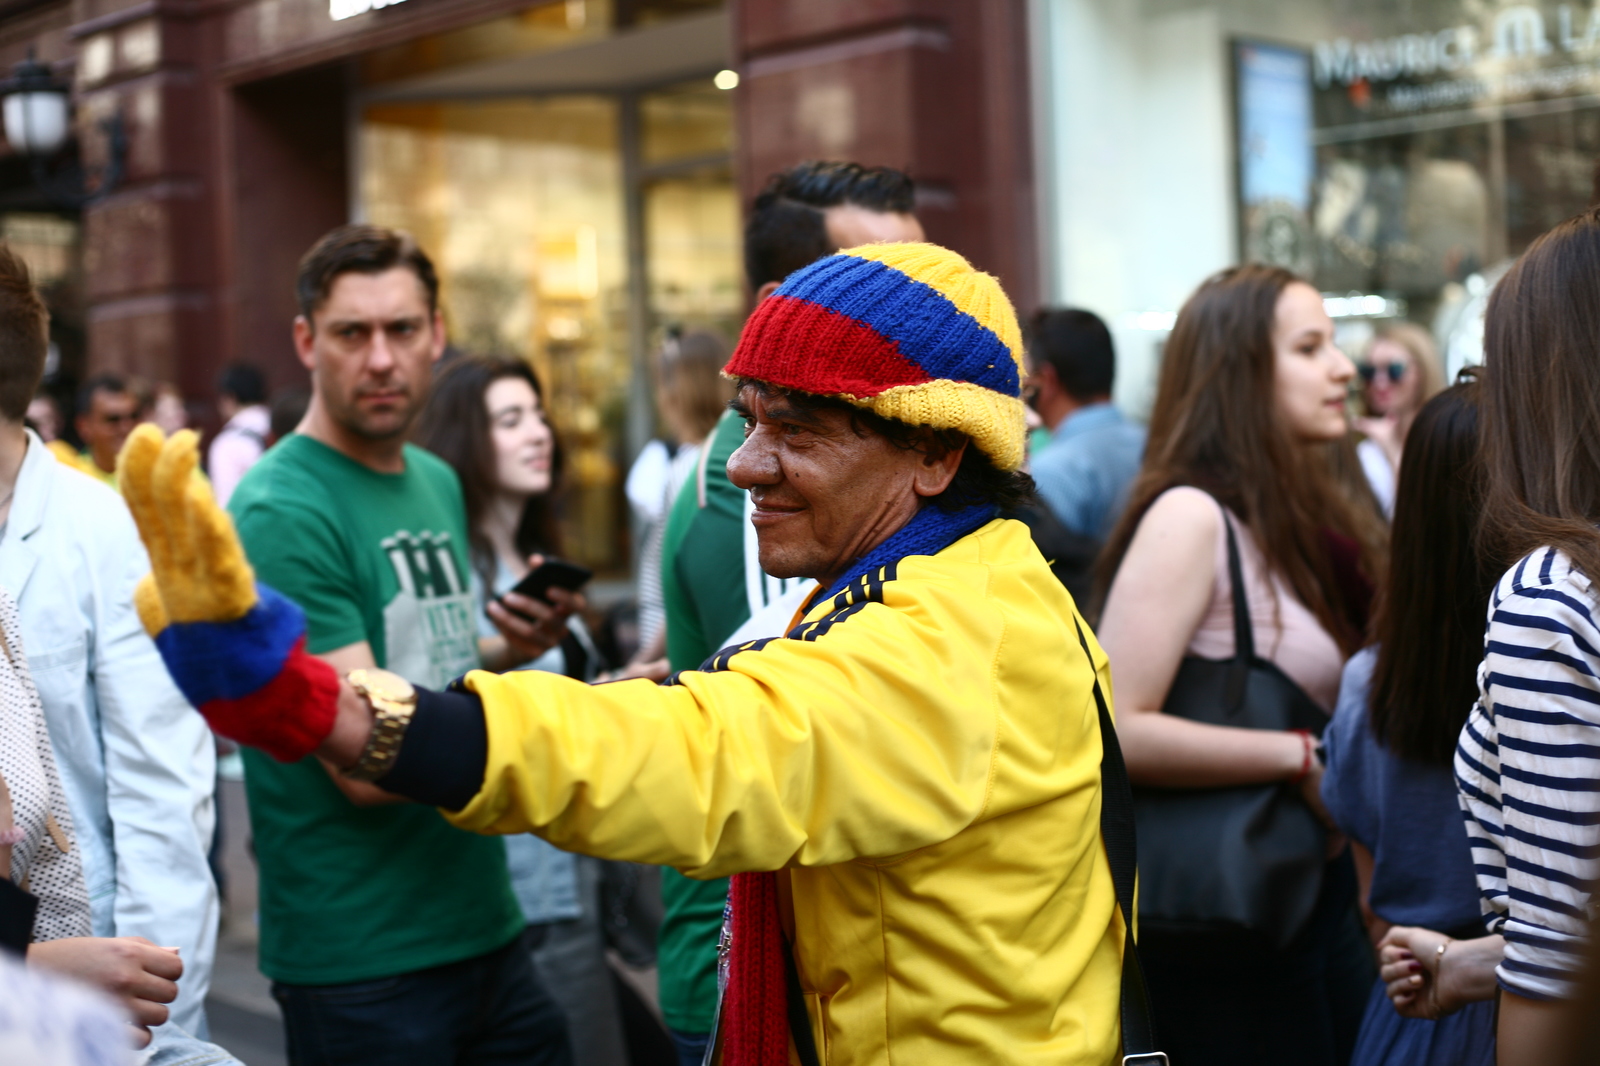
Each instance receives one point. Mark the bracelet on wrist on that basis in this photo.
(1310, 753)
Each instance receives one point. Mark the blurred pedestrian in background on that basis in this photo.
(1390, 747)
(107, 410)
(287, 411)
(44, 416)
(1529, 757)
(485, 417)
(691, 395)
(1093, 454)
(712, 581)
(136, 772)
(391, 937)
(1251, 399)
(165, 407)
(1400, 371)
(242, 403)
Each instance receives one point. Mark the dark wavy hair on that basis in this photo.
(1430, 614)
(455, 427)
(786, 230)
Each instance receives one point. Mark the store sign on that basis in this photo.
(1519, 51)
(344, 9)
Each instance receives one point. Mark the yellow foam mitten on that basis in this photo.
(198, 571)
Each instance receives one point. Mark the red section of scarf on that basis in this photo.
(755, 1010)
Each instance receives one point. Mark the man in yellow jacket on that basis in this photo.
(906, 787)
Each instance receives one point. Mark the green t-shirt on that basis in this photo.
(706, 600)
(356, 893)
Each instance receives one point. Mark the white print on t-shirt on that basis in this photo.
(428, 628)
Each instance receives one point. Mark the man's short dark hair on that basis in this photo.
(786, 230)
(24, 336)
(244, 382)
(360, 249)
(115, 384)
(1078, 345)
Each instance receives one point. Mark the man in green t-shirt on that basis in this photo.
(804, 213)
(390, 936)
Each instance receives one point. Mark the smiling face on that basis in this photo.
(1311, 376)
(522, 441)
(370, 351)
(825, 493)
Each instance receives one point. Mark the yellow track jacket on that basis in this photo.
(923, 759)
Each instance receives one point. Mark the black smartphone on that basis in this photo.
(552, 573)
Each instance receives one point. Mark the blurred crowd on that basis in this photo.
(1351, 634)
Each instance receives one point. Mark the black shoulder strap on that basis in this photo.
(1244, 635)
(1117, 830)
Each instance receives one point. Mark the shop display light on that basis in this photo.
(38, 124)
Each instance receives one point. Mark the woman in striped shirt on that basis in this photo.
(1528, 763)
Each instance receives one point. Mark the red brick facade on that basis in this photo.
(237, 120)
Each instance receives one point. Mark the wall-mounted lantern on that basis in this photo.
(38, 124)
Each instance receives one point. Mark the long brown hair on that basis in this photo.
(1541, 410)
(1429, 624)
(455, 427)
(1215, 426)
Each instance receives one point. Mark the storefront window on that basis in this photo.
(520, 205)
(537, 203)
(1399, 155)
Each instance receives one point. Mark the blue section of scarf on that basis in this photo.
(929, 532)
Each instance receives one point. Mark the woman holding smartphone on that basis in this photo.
(1248, 412)
(485, 417)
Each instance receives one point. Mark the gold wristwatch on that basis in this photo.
(393, 701)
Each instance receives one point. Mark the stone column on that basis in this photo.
(936, 87)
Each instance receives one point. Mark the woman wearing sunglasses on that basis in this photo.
(1399, 373)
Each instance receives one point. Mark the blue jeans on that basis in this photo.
(484, 1011)
(691, 1047)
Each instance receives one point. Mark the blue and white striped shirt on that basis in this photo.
(1528, 770)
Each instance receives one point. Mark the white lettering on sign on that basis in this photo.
(344, 9)
(1520, 31)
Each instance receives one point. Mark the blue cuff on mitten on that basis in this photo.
(231, 660)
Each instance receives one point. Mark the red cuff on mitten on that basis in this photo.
(306, 684)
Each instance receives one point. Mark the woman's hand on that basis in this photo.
(528, 627)
(142, 976)
(1423, 982)
(655, 670)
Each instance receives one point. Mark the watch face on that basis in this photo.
(388, 685)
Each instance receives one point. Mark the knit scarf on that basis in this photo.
(755, 1004)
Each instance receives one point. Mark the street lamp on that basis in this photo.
(38, 125)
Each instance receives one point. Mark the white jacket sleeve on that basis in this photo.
(160, 767)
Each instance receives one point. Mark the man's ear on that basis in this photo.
(767, 289)
(936, 466)
(303, 338)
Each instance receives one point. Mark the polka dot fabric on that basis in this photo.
(46, 862)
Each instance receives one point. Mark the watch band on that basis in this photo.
(392, 713)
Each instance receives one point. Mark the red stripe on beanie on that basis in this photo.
(796, 344)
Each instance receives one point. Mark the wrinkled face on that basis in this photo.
(371, 350)
(106, 425)
(1390, 379)
(523, 443)
(1311, 375)
(825, 493)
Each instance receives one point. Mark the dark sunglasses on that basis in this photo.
(1395, 372)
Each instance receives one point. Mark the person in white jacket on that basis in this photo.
(137, 765)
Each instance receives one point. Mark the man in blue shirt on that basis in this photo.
(1094, 452)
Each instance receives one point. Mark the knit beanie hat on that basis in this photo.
(908, 331)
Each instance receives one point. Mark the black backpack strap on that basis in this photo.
(1117, 830)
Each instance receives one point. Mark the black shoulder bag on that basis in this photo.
(1246, 858)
